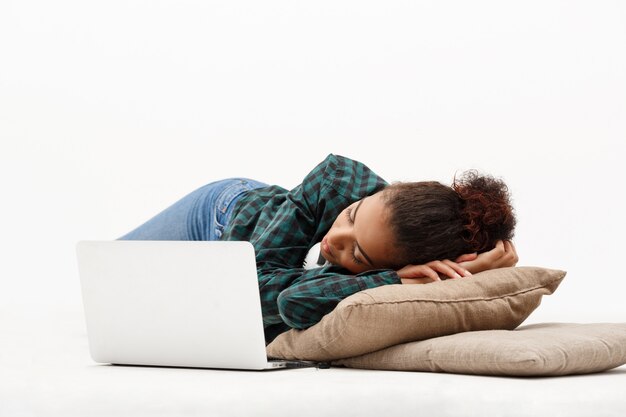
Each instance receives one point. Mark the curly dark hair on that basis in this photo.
(432, 221)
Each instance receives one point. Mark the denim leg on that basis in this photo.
(200, 215)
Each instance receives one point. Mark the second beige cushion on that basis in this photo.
(546, 349)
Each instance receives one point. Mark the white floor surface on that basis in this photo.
(45, 370)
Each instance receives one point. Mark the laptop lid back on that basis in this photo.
(172, 303)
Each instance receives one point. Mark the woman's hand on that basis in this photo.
(502, 256)
(430, 272)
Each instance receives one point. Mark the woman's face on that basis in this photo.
(360, 238)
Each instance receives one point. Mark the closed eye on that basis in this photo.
(354, 258)
(349, 214)
(354, 245)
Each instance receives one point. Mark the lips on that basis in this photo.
(326, 248)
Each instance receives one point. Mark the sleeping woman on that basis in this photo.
(344, 229)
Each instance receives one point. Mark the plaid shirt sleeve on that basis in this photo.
(305, 303)
(283, 225)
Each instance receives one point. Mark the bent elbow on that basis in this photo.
(292, 311)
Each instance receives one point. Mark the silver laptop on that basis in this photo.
(174, 303)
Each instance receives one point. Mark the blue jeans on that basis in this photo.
(201, 215)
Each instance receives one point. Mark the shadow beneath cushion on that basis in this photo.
(616, 372)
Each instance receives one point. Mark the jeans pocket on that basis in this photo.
(225, 201)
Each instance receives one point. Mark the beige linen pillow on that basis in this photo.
(546, 349)
(377, 318)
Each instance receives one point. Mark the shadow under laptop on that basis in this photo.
(290, 365)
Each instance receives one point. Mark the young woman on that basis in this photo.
(369, 233)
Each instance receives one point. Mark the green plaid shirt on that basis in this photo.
(283, 225)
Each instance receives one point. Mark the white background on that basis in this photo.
(110, 111)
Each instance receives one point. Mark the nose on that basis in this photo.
(340, 239)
